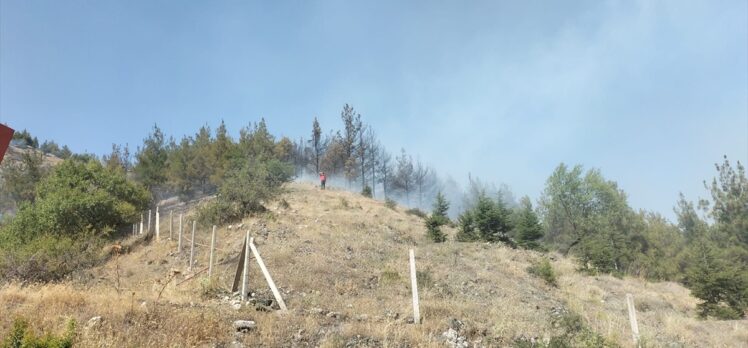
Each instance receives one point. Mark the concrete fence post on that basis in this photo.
(148, 231)
(192, 244)
(158, 225)
(414, 287)
(141, 223)
(212, 251)
(632, 319)
(171, 223)
(245, 272)
(179, 240)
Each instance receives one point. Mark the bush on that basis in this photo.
(245, 190)
(433, 229)
(77, 205)
(543, 270)
(390, 203)
(21, 336)
(366, 192)
(416, 212)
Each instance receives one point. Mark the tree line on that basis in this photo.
(579, 213)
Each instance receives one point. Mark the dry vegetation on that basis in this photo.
(340, 261)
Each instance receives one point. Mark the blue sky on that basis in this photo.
(651, 92)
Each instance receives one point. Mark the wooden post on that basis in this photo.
(141, 223)
(632, 318)
(245, 275)
(149, 222)
(158, 225)
(179, 241)
(192, 244)
(212, 251)
(171, 222)
(267, 275)
(414, 287)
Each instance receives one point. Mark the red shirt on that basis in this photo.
(322, 177)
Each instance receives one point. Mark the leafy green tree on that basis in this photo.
(284, 150)
(437, 219)
(21, 178)
(333, 161)
(150, 168)
(77, 204)
(662, 250)
(246, 189)
(528, 229)
(590, 215)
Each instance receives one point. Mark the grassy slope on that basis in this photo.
(334, 251)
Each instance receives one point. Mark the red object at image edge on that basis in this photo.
(6, 134)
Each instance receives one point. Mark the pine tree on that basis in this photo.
(528, 230)
(151, 166)
(438, 219)
(721, 285)
(317, 145)
(488, 221)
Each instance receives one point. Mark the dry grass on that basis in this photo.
(350, 258)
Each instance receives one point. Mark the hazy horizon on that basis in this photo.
(652, 94)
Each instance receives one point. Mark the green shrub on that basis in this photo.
(366, 192)
(488, 221)
(433, 229)
(245, 190)
(218, 212)
(416, 212)
(390, 203)
(543, 270)
(389, 276)
(424, 279)
(76, 206)
(21, 336)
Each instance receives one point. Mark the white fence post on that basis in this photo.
(192, 244)
(265, 272)
(171, 222)
(149, 222)
(245, 274)
(414, 287)
(158, 225)
(632, 318)
(179, 241)
(141, 223)
(212, 251)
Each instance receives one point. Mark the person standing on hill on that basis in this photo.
(322, 179)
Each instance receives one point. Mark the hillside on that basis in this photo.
(341, 263)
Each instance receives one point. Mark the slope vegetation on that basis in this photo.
(341, 263)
